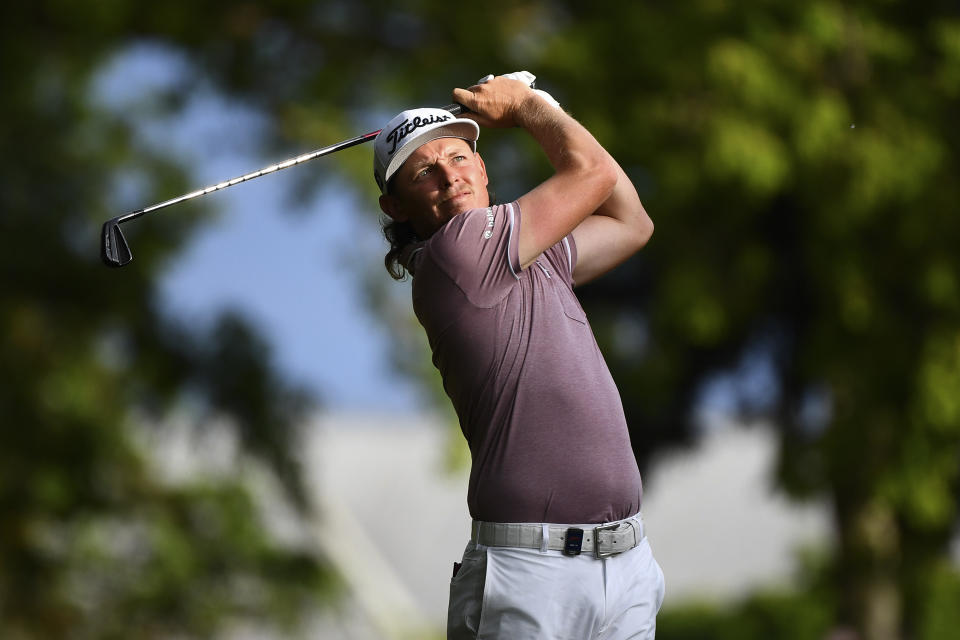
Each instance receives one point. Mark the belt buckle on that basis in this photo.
(596, 540)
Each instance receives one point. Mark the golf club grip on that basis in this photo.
(456, 108)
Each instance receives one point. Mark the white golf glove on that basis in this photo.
(528, 79)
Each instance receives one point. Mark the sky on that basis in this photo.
(295, 274)
(292, 275)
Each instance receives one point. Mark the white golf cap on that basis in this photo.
(409, 131)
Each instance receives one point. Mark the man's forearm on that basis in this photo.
(566, 143)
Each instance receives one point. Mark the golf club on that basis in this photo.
(113, 246)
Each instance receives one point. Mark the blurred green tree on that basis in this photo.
(95, 541)
(796, 159)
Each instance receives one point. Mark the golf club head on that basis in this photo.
(113, 247)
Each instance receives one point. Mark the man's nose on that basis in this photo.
(447, 173)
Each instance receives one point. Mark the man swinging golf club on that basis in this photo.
(557, 547)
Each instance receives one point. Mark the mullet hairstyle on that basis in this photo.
(398, 235)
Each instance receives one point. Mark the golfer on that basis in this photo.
(557, 547)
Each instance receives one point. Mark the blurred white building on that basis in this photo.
(394, 519)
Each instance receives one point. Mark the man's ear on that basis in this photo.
(483, 172)
(483, 168)
(391, 206)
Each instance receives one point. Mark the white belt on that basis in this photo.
(602, 540)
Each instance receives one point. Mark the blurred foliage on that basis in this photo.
(795, 157)
(797, 162)
(801, 615)
(785, 616)
(94, 543)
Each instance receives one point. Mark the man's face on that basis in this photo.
(440, 180)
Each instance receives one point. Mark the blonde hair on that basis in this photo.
(398, 235)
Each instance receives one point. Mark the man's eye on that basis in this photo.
(423, 172)
(460, 158)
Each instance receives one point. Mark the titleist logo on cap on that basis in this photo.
(407, 127)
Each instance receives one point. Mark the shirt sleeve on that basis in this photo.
(477, 250)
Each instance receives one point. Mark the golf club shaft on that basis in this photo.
(454, 109)
(114, 249)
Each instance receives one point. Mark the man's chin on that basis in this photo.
(453, 209)
(457, 206)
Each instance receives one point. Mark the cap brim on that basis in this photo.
(460, 128)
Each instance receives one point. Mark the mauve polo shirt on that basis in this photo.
(534, 397)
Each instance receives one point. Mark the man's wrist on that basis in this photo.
(534, 111)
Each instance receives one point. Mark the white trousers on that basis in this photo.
(507, 593)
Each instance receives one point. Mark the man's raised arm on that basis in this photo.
(618, 228)
(585, 176)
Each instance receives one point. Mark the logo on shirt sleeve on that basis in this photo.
(489, 232)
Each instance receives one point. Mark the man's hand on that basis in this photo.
(497, 102)
(527, 78)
